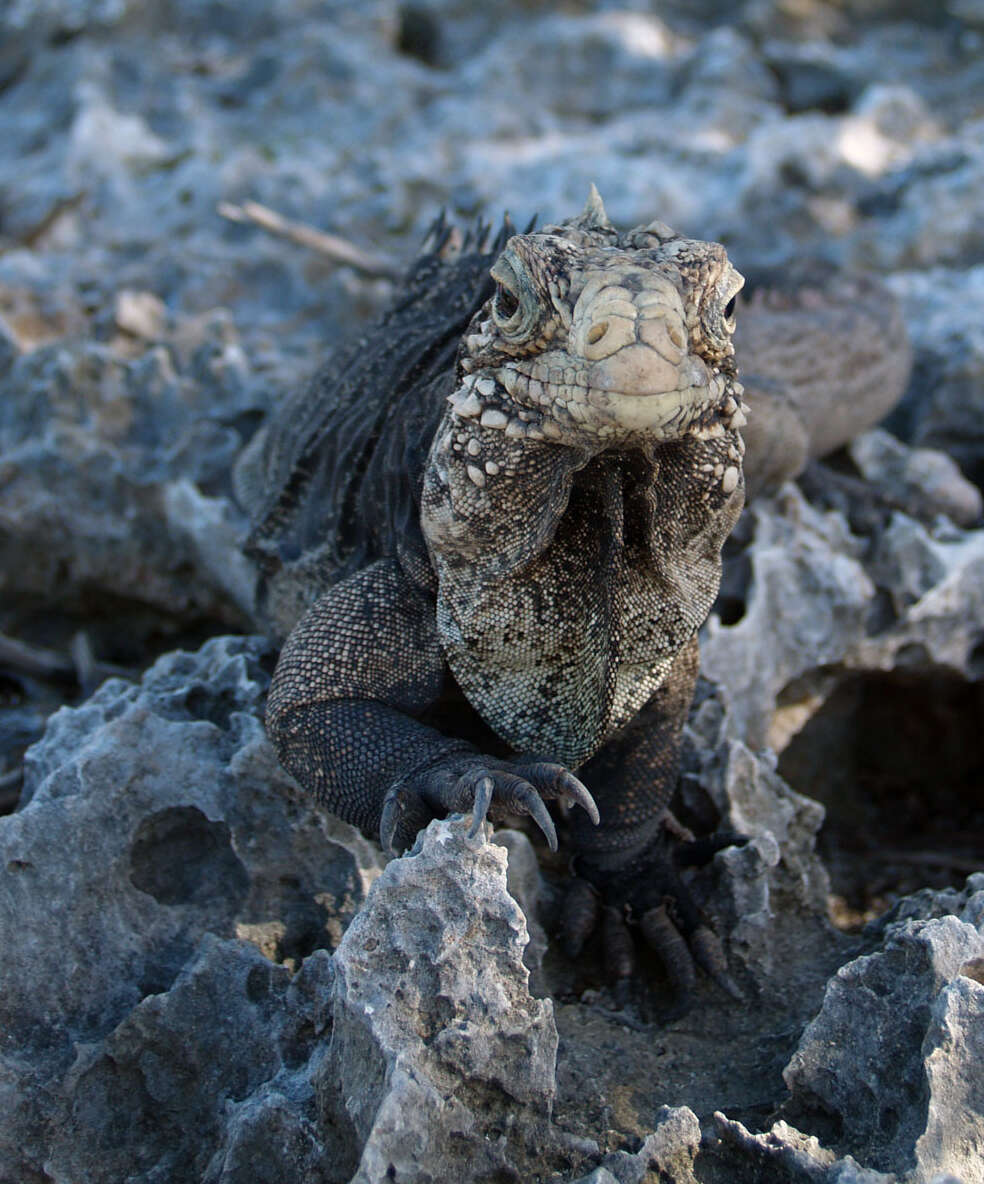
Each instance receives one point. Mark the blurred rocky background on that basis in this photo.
(181, 994)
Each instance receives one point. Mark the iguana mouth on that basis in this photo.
(568, 398)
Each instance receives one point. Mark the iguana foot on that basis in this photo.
(646, 894)
(484, 787)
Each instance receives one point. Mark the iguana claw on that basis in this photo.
(480, 786)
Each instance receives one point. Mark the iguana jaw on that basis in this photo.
(579, 402)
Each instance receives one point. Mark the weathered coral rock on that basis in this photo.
(814, 611)
(925, 475)
(156, 827)
(890, 1054)
(776, 872)
(786, 1154)
(441, 1059)
(94, 448)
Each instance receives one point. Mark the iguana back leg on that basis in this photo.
(627, 867)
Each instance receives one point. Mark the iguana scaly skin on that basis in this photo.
(505, 509)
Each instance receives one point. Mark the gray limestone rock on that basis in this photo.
(806, 606)
(821, 606)
(953, 1057)
(531, 892)
(669, 1152)
(881, 1058)
(966, 904)
(943, 406)
(919, 474)
(776, 873)
(156, 827)
(94, 448)
(441, 1060)
(785, 1154)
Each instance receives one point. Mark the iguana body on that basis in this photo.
(505, 508)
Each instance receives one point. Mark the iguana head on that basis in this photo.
(598, 338)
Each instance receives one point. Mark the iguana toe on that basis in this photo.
(648, 897)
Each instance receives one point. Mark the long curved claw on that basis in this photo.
(709, 954)
(554, 781)
(387, 824)
(579, 795)
(529, 801)
(480, 789)
(483, 799)
(404, 813)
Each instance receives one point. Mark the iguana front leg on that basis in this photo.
(357, 669)
(626, 868)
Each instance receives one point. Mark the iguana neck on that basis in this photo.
(568, 580)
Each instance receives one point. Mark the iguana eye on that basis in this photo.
(516, 309)
(506, 303)
(718, 312)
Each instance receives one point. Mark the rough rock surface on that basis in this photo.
(820, 603)
(868, 1057)
(441, 1059)
(157, 827)
(114, 467)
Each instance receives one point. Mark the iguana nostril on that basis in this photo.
(596, 332)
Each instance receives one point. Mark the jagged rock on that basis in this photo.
(881, 1058)
(787, 1155)
(806, 607)
(777, 872)
(528, 888)
(598, 1176)
(953, 1059)
(442, 1061)
(669, 1151)
(154, 816)
(922, 474)
(194, 1078)
(92, 446)
(814, 612)
(943, 406)
(966, 904)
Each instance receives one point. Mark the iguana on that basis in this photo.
(492, 528)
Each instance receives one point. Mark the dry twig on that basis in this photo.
(333, 247)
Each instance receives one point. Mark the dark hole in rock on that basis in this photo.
(736, 576)
(258, 984)
(888, 1121)
(898, 762)
(203, 703)
(418, 34)
(975, 663)
(181, 857)
(812, 86)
